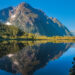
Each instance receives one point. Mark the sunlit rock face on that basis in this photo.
(30, 58)
(33, 20)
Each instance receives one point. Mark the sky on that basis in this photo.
(63, 10)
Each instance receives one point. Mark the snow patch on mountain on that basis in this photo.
(10, 55)
(13, 16)
(8, 23)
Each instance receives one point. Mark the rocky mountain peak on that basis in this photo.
(23, 5)
(23, 8)
(32, 20)
(54, 19)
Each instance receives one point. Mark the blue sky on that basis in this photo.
(63, 10)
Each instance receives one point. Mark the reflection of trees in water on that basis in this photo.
(8, 47)
(31, 58)
(72, 70)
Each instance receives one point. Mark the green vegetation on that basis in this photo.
(13, 46)
(13, 32)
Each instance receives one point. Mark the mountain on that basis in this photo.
(73, 32)
(33, 20)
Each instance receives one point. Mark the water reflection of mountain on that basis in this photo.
(27, 59)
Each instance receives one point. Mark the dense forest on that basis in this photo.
(9, 31)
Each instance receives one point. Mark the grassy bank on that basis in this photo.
(33, 37)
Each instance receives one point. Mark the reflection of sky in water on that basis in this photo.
(60, 66)
(6, 73)
(73, 46)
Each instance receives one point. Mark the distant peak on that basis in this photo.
(23, 4)
(53, 18)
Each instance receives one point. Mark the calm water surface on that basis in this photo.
(35, 58)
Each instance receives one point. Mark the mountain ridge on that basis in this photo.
(33, 20)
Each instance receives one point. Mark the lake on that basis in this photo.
(36, 57)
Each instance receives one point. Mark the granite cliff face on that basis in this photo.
(32, 20)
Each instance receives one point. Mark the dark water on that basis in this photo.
(35, 58)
